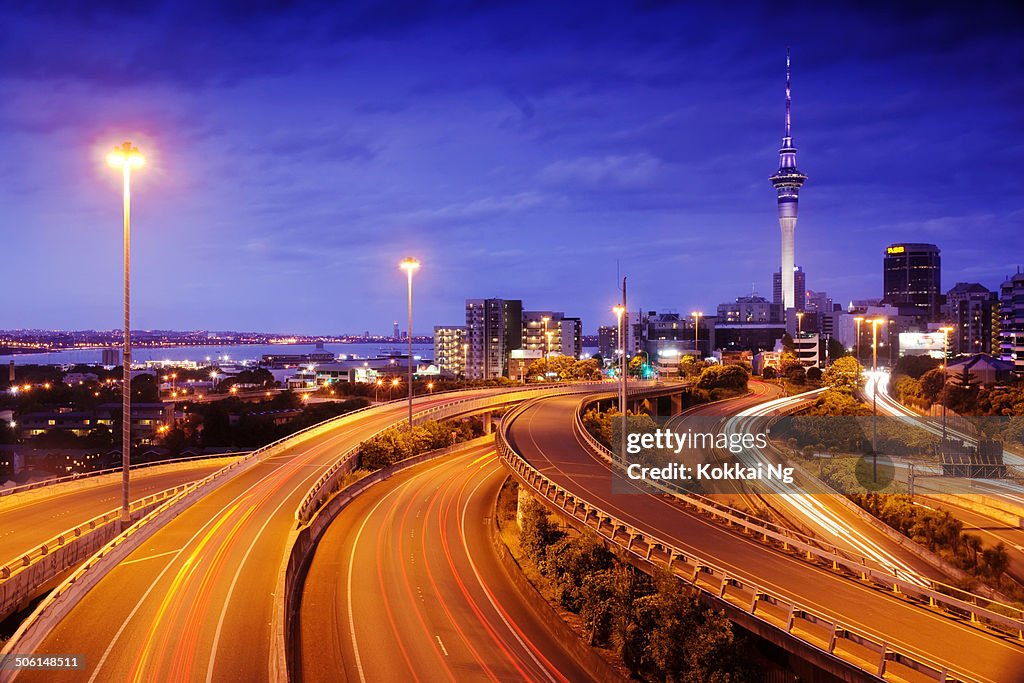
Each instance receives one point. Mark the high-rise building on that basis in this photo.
(607, 341)
(566, 334)
(494, 328)
(819, 301)
(396, 331)
(787, 182)
(111, 357)
(1011, 323)
(912, 279)
(450, 352)
(799, 290)
(969, 307)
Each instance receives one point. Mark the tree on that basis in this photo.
(537, 530)
(769, 372)
(834, 349)
(145, 389)
(796, 374)
(932, 383)
(723, 377)
(843, 375)
(814, 374)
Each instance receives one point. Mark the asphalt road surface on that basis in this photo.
(405, 585)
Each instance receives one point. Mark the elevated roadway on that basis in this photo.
(195, 601)
(541, 433)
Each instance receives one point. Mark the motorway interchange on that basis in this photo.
(405, 582)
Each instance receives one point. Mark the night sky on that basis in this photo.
(296, 153)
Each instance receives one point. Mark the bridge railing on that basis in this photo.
(83, 476)
(22, 576)
(722, 584)
(954, 600)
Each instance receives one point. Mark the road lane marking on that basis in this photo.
(150, 557)
(443, 648)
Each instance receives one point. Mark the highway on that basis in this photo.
(34, 517)
(405, 585)
(542, 433)
(195, 601)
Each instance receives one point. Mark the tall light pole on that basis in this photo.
(465, 361)
(126, 157)
(696, 324)
(945, 361)
(620, 314)
(858, 319)
(799, 323)
(547, 342)
(409, 265)
(875, 322)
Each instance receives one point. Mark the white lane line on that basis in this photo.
(443, 648)
(151, 557)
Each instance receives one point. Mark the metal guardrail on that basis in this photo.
(111, 470)
(21, 577)
(656, 550)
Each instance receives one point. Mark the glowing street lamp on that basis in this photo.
(799, 323)
(875, 322)
(945, 359)
(126, 157)
(858, 319)
(620, 312)
(409, 265)
(696, 322)
(547, 340)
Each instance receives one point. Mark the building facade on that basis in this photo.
(494, 328)
(799, 290)
(748, 309)
(969, 308)
(450, 350)
(1011, 322)
(552, 333)
(911, 274)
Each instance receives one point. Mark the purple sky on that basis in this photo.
(297, 154)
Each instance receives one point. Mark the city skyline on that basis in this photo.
(530, 155)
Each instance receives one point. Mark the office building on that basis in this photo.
(494, 328)
(819, 301)
(450, 350)
(799, 290)
(111, 357)
(912, 279)
(1011, 322)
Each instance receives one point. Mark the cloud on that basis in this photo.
(611, 171)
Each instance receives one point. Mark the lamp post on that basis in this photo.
(799, 323)
(376, 389)
(126, 157)
(696, 323)
(858, 319)
(945, 359)
(409, 265)
(620, 312)
(465, 361)
(547, 340)
(875, 322)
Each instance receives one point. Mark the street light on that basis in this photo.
(799, 323)
(409, 265)
(126, 157)
(377, 385)
(465, 361)
(858, 319)
(945, 361)
(875, 322)
(547, 342)
(620, 311)
(696, 322)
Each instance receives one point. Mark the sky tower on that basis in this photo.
(787, 182)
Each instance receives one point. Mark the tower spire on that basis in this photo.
(788, 96)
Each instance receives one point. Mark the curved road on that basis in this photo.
(34, 517)
(543, 435)
(195, 601)
(406, 586)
